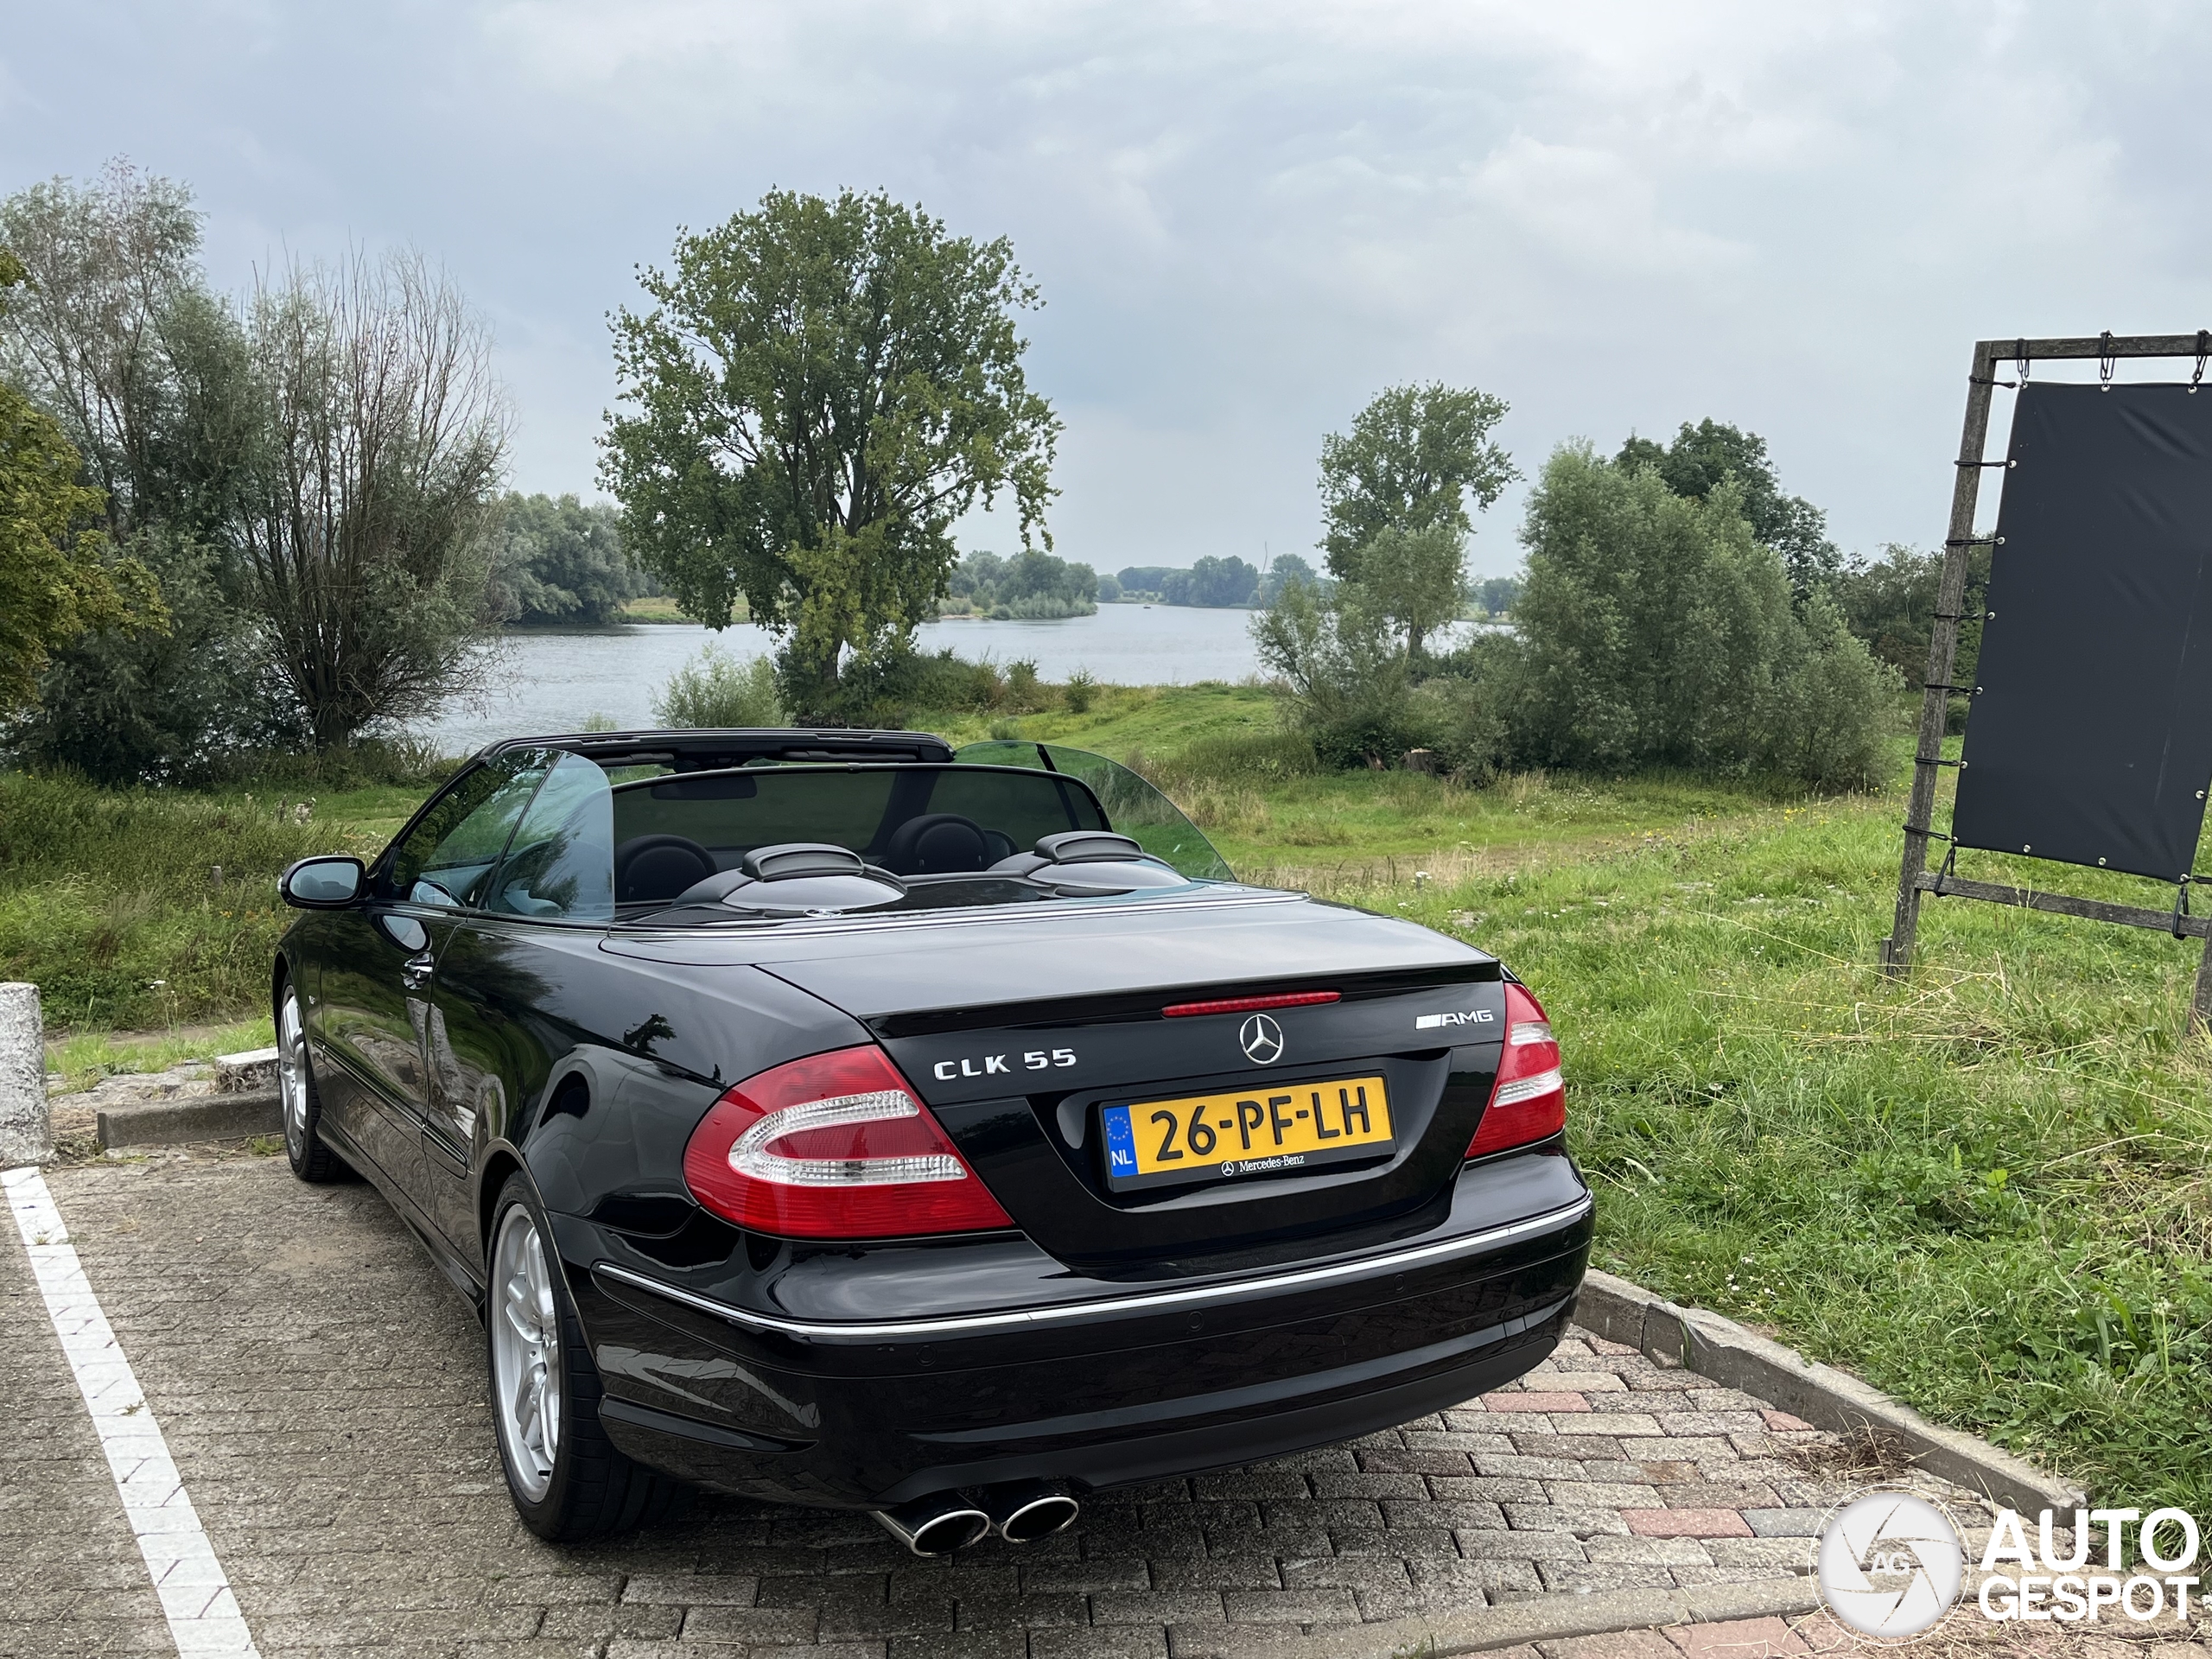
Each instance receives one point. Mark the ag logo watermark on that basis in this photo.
(1891, 1565)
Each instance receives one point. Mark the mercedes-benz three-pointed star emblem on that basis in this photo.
(1261, 1039)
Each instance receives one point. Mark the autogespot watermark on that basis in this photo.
(1891, 1564)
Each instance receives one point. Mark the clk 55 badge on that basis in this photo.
(1035, 1059)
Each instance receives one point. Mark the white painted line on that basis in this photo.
(203, 1616)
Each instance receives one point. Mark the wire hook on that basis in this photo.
(2203, 351)
(2106, 360)
(2020, 358)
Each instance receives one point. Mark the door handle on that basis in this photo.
(415, 972)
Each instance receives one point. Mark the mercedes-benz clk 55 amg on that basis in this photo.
(833, 1119)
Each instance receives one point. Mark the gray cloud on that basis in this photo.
(1245, 219)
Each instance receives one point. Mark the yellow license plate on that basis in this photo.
(1278, 1131)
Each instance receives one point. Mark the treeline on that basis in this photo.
(1033, 584)
(1678, 609)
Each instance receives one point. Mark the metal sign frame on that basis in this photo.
(1913, 877)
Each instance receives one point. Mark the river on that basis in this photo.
(554, 679)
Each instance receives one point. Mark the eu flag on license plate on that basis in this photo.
(1121, 1145)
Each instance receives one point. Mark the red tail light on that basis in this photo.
(834, 1145)
(1529, 1100)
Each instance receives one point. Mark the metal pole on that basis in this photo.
(1943, 654)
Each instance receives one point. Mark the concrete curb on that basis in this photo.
(1540, 1618)
(193, 1117)
(1825, 1397)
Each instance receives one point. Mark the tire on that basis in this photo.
(568, 1480)
(311, 1159)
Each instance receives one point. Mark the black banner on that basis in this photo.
(2089, 738)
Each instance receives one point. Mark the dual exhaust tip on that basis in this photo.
(1020, 1513)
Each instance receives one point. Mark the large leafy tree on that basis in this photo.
(56, 581)
(1703, 457)
(1413, 457)
(820, 388)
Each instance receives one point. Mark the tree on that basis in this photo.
(561, 562)
(1282, 572)
(1498, 595)
(366, 539)
(118, 339)
(1656, 629)
(1703, 456)
(1212, 580)
(55, 580)
(1413, 457)
(822, 388)
(1414, 579)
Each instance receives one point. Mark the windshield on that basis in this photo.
(675, 829)
(1136, 809)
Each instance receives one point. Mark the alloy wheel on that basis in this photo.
(292, 1074)
(526, 1353)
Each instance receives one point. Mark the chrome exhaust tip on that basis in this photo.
(1029, 1509)
(935, 1526)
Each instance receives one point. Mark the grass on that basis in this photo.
(84, 1056)
(1984, 1189)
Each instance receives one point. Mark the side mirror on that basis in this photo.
(323, 883)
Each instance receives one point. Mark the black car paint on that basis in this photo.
(587, 1056)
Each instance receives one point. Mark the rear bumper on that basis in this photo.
(1135, 1385)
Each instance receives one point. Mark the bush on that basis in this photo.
(1079, 690)
(1654, 631)
(716, 689)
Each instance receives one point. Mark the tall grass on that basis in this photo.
(108, 900)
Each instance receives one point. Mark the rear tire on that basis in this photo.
(311, 1159)
(568, 1480)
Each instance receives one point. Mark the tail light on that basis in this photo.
(1529, 1101)
(834, 1145)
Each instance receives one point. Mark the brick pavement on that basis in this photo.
(321, 1389)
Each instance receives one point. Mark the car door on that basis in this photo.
(374, 991)
(492, 1036)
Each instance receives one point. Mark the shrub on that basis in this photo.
(1080, 686)
(1654, 631)
(716, 689)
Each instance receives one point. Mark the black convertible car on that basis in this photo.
(834, 1118)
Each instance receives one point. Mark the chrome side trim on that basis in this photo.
(1111, 1308)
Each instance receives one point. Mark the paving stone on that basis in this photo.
(1794, 1553)
(1314, 1604)
(1786, 1523)
(1686, 1523)
(1741, 1638)
(962, 1644)
(1156, 1606)
(1550, 1401)
(1648, 1552)
(693, 1590)
(1583, 1523)
(1220, 1573)
(1100, 1642)
(1621, 1644)
(751, 1625)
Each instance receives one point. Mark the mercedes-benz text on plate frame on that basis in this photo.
(1246, 1132)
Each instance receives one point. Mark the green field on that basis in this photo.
(1984, 1189)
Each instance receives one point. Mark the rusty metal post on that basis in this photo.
(1942, 656)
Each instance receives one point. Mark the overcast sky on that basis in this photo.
(1245, 219)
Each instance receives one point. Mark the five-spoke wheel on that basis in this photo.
(527, 1373)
